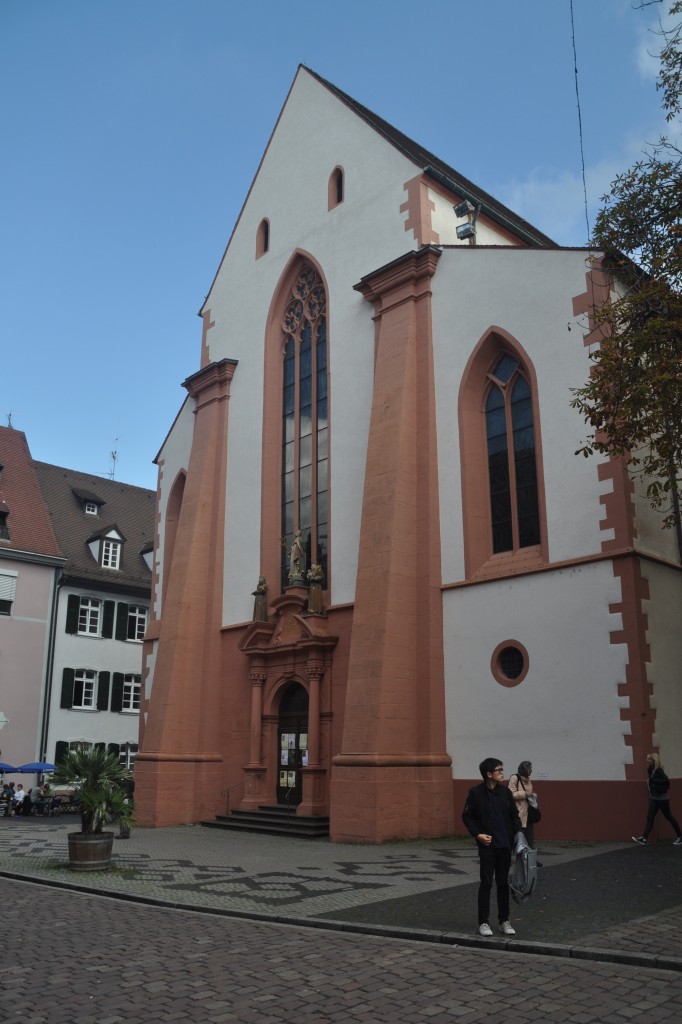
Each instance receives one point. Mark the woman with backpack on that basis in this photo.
(521, 789)
(659, 800)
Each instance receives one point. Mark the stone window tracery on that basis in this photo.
(305, 422)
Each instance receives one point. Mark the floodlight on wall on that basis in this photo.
(466, 231)
(463, 209)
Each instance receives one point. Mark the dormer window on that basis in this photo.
(91, 509)
(106, 547)
(111, 554)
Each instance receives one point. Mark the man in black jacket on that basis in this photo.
(491, 817)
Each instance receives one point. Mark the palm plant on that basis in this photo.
(100, 779)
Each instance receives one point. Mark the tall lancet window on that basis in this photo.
(512, 471)
(305, 425)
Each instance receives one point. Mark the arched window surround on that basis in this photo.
(173, 508)
(271, 484)
(479, 559)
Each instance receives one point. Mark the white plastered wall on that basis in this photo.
(445, 224)
(565, 715)
(527, 293)
(316, 132)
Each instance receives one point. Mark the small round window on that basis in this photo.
(509, 663)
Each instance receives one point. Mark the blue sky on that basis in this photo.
(131, 130)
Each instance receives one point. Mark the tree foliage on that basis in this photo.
(633, 399)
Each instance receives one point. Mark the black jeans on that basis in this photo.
(664, 807)
(495, 862)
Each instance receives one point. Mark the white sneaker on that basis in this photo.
(678, 841)
(506, 928)
(640, 840)
(485, 929)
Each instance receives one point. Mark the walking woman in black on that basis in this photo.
(659, 800)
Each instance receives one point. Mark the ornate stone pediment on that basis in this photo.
(291, 627)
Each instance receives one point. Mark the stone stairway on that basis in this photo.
(275, 820)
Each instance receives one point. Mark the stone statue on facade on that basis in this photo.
(315, 576)
(260, 607)
(297, 561)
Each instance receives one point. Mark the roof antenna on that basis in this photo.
(114, 459)
(9, 421)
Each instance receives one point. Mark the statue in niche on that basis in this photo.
(260, 607)
(315, 590)
(297, 560)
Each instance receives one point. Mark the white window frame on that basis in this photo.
(87, 679)
(137, 623)
(8, 590)
(91, 509)
(90, 616)
(127, 755)
(111, 553)
(132, 686)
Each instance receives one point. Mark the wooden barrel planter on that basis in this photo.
(90, 852)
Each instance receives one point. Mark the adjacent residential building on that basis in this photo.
(104, 528)
(75, 583)
(378, 559)
(31, 563)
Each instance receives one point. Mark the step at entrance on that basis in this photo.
(276, 820)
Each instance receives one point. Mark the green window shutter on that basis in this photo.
(108, 619)
(114, 748)
(73, 607)
(103, 691)
(121, 621)
(117, 692)
(60, 751)
(68, 677)
(99, 746)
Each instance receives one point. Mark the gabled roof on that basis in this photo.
(131, 508)
(28, 520)
(422, 158)
(439, 170)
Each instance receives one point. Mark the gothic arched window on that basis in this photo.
(512, 472)
(305, 427)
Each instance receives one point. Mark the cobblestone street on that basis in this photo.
(108, 961)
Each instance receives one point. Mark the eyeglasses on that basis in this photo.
(496, 770)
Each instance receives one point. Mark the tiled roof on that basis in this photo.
(131, 509)
(439, 170)
(29, 524)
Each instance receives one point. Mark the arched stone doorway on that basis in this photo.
(292, 744)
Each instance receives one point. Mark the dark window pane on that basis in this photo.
(322, 452)
(305, 338)
(322, 507)
(321, 384)
(495, 400)
(289, 427)
(305, 513)
(305, 451)
(505, 368)
(305, 363)
(322, 412)
(510, 661)
(305, 391)
(289, 457)
(289, 520)
(288, 487)
(305, 477)
(289, 395)
(322, 475)
(305, 422)
(289, 370)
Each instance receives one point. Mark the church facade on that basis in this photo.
(377, 558)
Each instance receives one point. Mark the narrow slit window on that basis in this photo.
(263, 238)
(336, 188)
